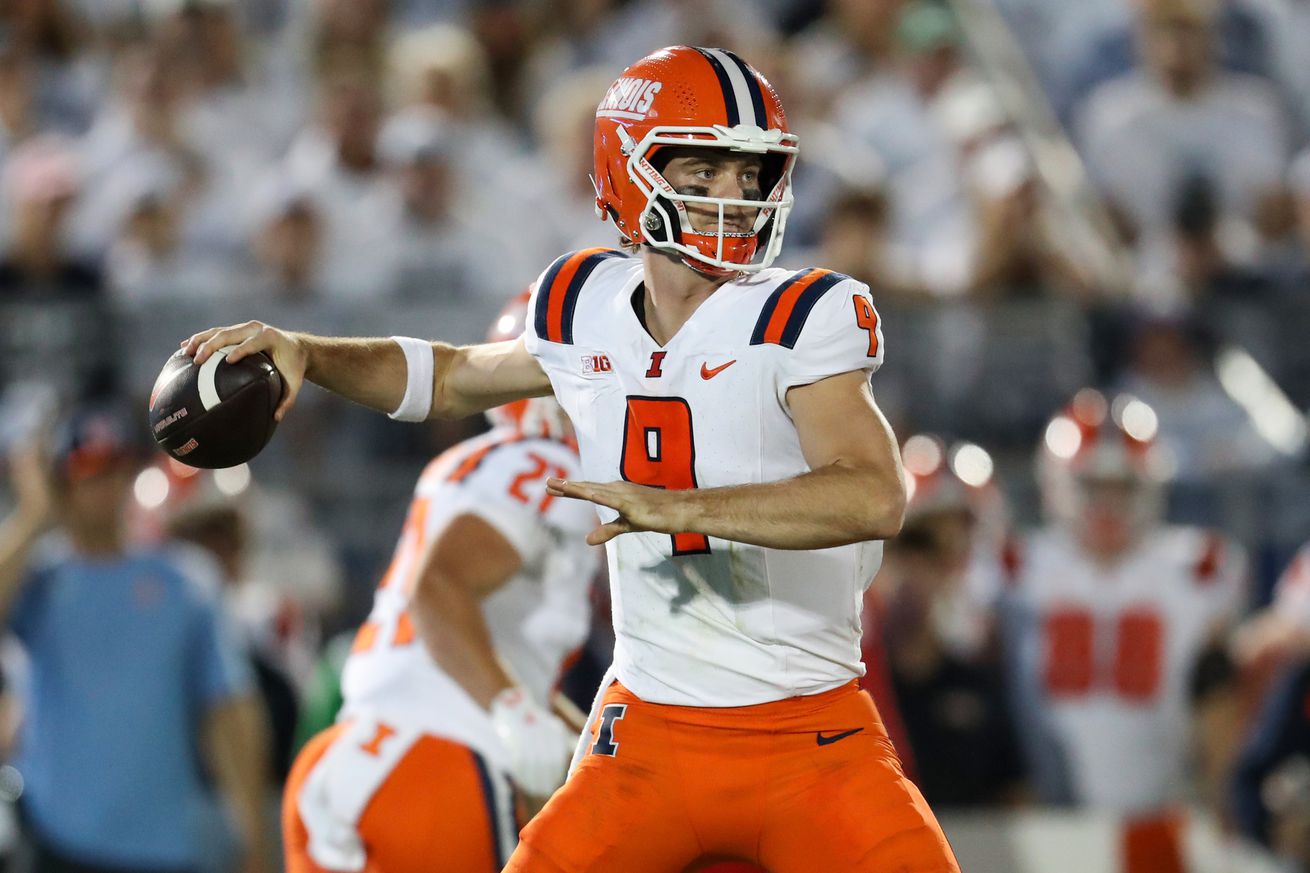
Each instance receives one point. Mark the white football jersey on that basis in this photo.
(537, 620)
(699, 620)
(1104, 656)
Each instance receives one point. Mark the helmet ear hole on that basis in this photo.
(662, 223)
(771, 171)
(659, 158)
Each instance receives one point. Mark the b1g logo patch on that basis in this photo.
(596, 364)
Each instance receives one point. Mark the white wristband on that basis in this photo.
(420, 369)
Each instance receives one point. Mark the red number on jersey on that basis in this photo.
(658, 451)
(541, 469)
(1137, 661)
(1068, 653)
(1139, 654)
(867, 317)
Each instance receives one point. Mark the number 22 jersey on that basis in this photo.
(701, 621)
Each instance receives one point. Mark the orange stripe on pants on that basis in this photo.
(429, 814)
(1153, 844)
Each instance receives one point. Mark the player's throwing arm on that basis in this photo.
(407, 378)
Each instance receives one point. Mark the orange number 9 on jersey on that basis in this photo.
(658, 450)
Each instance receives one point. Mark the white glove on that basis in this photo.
(539, 744)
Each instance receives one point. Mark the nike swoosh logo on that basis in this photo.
(826, 741)
(707, 373)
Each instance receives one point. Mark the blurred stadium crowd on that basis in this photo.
(1044, 196)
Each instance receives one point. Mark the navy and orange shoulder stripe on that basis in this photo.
(787, 308)
(557, 295)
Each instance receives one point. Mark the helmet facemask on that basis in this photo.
(665, 221)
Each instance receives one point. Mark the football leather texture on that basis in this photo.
(218, 414)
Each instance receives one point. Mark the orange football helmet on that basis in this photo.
(954, 477)
(537, 416)
(700, 97)
(1094, 441)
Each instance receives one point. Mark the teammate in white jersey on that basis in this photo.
(449, 685)
(744, 475)
(1108, 612)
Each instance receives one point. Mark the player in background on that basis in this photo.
(1108, 612)
(1280, 632)
(745, 477)
(449, 686)
(930, 629)
(135, 675)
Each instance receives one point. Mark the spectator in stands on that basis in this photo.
(1299, 183)
(132, 672)
(1016, 250)
(351, 33)
(894, 109)
(287, 243)
(1147, 135)
(1204, 431)
(237, 115)
(336, 162)
(1206, 255)
(853, 239)
(1287, 24)
(41, 183)
(554, 184)
(611, 32)
(852, 40)
(17, 116)
(1102, 46)
(138, 128)
(444, 68)
(935, 635)
(51, 35)
(149, 261)
(576, 35)
(441, 254)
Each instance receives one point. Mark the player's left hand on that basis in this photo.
(640, 507)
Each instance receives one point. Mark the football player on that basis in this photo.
(929, 622)
(449, 685)
(1109, 610)
(745, 478)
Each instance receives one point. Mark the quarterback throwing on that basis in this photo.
(744, 477)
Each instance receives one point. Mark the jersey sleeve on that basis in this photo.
(531, 341)
(842, 333)
(507, 490)
(554, 298)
